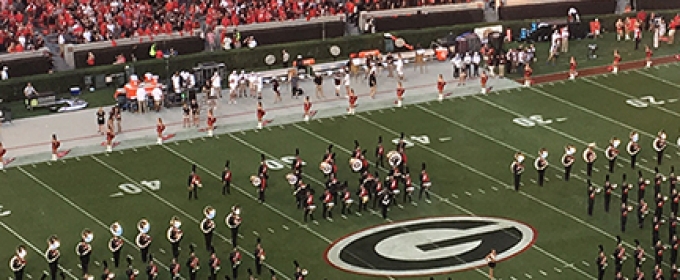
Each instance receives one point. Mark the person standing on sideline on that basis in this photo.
(260, 115)
(186, 115)
(55, 147)
(195, 112)
(476, 60)
(210, 121)
(572, 68)
(101, 120)
(372, 82)
(3, 151)
(564, 36)
(441, 83)
(347, 82)
(308, 113)
(420, 59)
(318, 82)
(527, 75)
(648, 57)
(491, 262)
(517, 169)
(285, 58)
(352, 102)
(615, 62)
(400, 94)
(399, 67)
(160, 127)
(110, 135)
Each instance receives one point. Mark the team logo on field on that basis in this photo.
(429, 246)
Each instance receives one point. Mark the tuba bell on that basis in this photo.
(209, 212)
(326, 168)
(291, 178)
(18, 262)
(256, 181)
(87, 235)
(356, 164)
(143, 226)
(394, 158)
(52, 245)
(116, 229)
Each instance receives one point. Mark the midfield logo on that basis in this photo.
(429, 246)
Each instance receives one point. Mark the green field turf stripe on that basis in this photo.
(80, 209)
(174, 207)
(657, 78)
(665, 110)
(563, 262)
(34, 248)
(270, 207)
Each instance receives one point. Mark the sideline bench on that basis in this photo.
(42, 100)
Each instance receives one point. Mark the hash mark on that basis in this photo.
(528, 275)
(148, 147)
(358, 214)
(595, 169)
(161, 250)
(621, 165)
(176, 143)
(77, 158)
(34, 166)
(584, 172)
(285, 227)
(414, 203)
(543, 273)
(454, 195)
(368, 113)
(344, 116)
(256, 233)
(203, 139)
(29, 276)
(243, 132)
(315, 222)
(400, 206)
(668, 156)
(343, 217)
(643, 160)
(468, 193)
(241, 236)
(270, 230)
(558, 270)
(494, 189)
(332, 119)
(120, 152)
(134, 150)
(532, 181)
(48, 163)
(585, 263)
(319, 120)
(481, 191)
(380, 111)
(190, 141)
(268, 128)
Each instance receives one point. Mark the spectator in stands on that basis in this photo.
(4, 74)
(120, 59)
(90, 59)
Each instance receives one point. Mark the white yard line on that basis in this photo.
(657, 78)
(628, 96)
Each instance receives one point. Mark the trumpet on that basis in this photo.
(143, 226)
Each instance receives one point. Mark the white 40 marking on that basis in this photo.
(422, 139)
(646, 101)
(535, 120)
(280, 164)
(127, 188)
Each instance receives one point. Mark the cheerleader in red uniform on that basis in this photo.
(440, 87)
(110, 135)
(615, 63)
(308, 109)
(2, 156)
(400, 94)
(572, 68)
(352, 102)
(483, 79)
(527, 75)
(211, 122)
(260, 115)
(648, 57)
(55, 147)
(160, 127)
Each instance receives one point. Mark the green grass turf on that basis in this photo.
(470, 174)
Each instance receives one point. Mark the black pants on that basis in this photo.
(612, 162)
(54, 266)
(175, 250)
(260, 195)
(632, 161)
(192, 275)
(258, 267)
(234, 272)
(641, 220)
(145, 253)
(424, 190)
(518, 178)
(607, 200)
(234, 236)
(624, 219)
(19, 275)
(659, 157)
(600, 273)
(226, 188)
(213, 274)
(116, 258)
(85, 263)
(208, 240)
(384, 211)
(309, 213)
(591, 204)
(541, 177)
(589, 169)
(567, 172)
(637, 43)
(327, 212)
(346, 208)
(194, 192)
(618, 264)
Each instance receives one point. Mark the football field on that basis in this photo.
(467, 143)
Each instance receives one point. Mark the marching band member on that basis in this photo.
(309, 206)
(52, 255)
(327, 200)
(192, 263)
(143, 239)
(131, 272)
(589, 156)
(625, 209)
(116, 242)
(151, 269)
(601, 263)
(174, 235)
(259, 182)
(107, 274)
(408, 186)
(260, 115)
(484, 78)
(263, 169)
(210, 121)
(18, 262)
(441, 83)
(642, 212)
(672, 180)
(619, 255)
(568, 160)
(633, 148)
(259, 256)
(527, 75)
(233, 221)
(194, 183)
(572, 68)
(307, 106)
(352, 102)
(214, 264)
(675, 243)
(235, 259)
(386, 199)
(300, 192)
(298, 163)
(592, 191)
(346, 200)
(517, 168)
(84, 249)
(659, 248)
(611, 153)
(541, 164)
(208, 226)
(380, 153)
(55, 147)
(364, 197)
(400, 94)
(425, 183)
(625, 189)
(226, 179)
(615, 63)
(160, 127)
(659, 144)
(648, 57)
(658, 180)
(110, 135)
(174, 269)
(638, 254)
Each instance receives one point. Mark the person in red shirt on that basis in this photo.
(483, 80)
(352, 102)
(160, 127)
(308, 109)
(2, 156)
(527, 75)
(400, 94)
(211, 122)
(615, 63)
(648, 56)
(572, 68)
(110, 135)
(55, 147)
(440, 87)
(260, 115)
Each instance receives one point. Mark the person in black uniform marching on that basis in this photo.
(611, 153)
(618, 255)
(541, 164)
(658, 180)
(131, 272)
(672, 180)
(226, 179)
(517, 168)
(675, 242)
(675, 202)
(642, 186)
(642, 212)
(235, 259)
(638, 254)
(591, 197)
(18, 262)
(601, 263)
(208, 226)
(380, 154)
(656, 228)
(658, 252)
(174, 269)
(143, 239)
(193, 183)
(116, 242)
(385, 201)
(233, 221)
(608, 190)
(151, 269)
(659, 144)
(309, 206)
(84, 249)
(259, 257)
(192, 263)
(633, 148)
(174, 234)
(624, 216)
(589, 156)
(213, 264)
(625, 188)
(52, 255)
(568, 160)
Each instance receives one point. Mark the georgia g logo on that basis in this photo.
(429, 246)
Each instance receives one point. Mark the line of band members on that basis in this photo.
(371, 187)
(589, 155)
(143, 240)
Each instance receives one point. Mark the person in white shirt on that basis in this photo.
(467, 64)
(61, 40)
(216, 86)
(252, 83)
(476, 60)
(4, 73)
(233, 87)
(420, 59)
(565, 39)
(141, 99)
(259, 84)
(573, 15)
(226, 43)
(399, 67)
(347, 82)
(176, 83)
(157, 94)
(457, 62)
(242, 84)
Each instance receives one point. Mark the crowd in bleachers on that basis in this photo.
(24, 22)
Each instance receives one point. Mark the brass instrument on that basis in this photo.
(52, 253)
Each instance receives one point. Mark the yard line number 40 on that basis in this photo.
(646, 101)
(128, 188)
